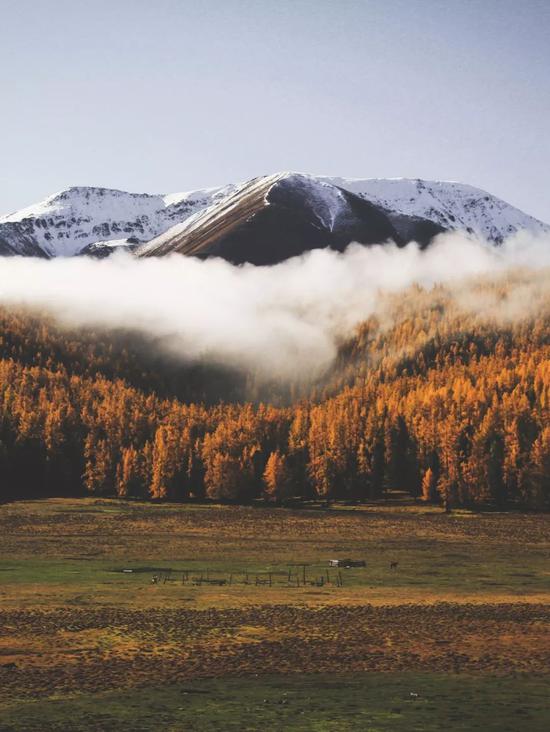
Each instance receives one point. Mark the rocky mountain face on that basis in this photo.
(81, 218)
(454, 206)
(261, 221)
(276, 217)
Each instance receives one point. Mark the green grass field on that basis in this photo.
(374, 702)
(79, 548)
(463, 621)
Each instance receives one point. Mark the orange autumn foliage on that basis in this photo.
(440, 403)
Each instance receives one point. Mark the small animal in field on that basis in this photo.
(393, 565)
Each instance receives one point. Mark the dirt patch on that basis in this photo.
(75, 650)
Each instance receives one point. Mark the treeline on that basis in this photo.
(139, 359)
(430, 400)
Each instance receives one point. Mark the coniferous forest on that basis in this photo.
(429, 398)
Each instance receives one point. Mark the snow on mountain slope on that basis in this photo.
(273, 218)
(325, 201)
(85, 219)
(66, 223)
(217, 215)
(449, 204)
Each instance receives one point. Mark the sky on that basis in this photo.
(174, 95)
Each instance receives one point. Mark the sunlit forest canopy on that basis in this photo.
(442, 393)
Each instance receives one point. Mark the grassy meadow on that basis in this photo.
(462, 621)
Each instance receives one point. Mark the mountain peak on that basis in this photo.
(73, 220)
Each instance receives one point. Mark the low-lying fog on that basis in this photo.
(278, 320)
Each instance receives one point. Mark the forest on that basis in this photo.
(427, 397)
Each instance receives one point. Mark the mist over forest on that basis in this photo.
(332, 376)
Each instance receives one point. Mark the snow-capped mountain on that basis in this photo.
(68, 222)
(97, 220)
(272, 218)
(449, 204)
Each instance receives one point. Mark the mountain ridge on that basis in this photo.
(272, 218)
(93, 220)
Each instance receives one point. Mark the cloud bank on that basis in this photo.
(279, 320)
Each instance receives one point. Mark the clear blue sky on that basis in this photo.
(170, 95)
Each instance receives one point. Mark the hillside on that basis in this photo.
(429, 397)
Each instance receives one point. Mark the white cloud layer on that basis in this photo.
(279, 320)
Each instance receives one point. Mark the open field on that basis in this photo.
(465, 617)
(372, 701)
